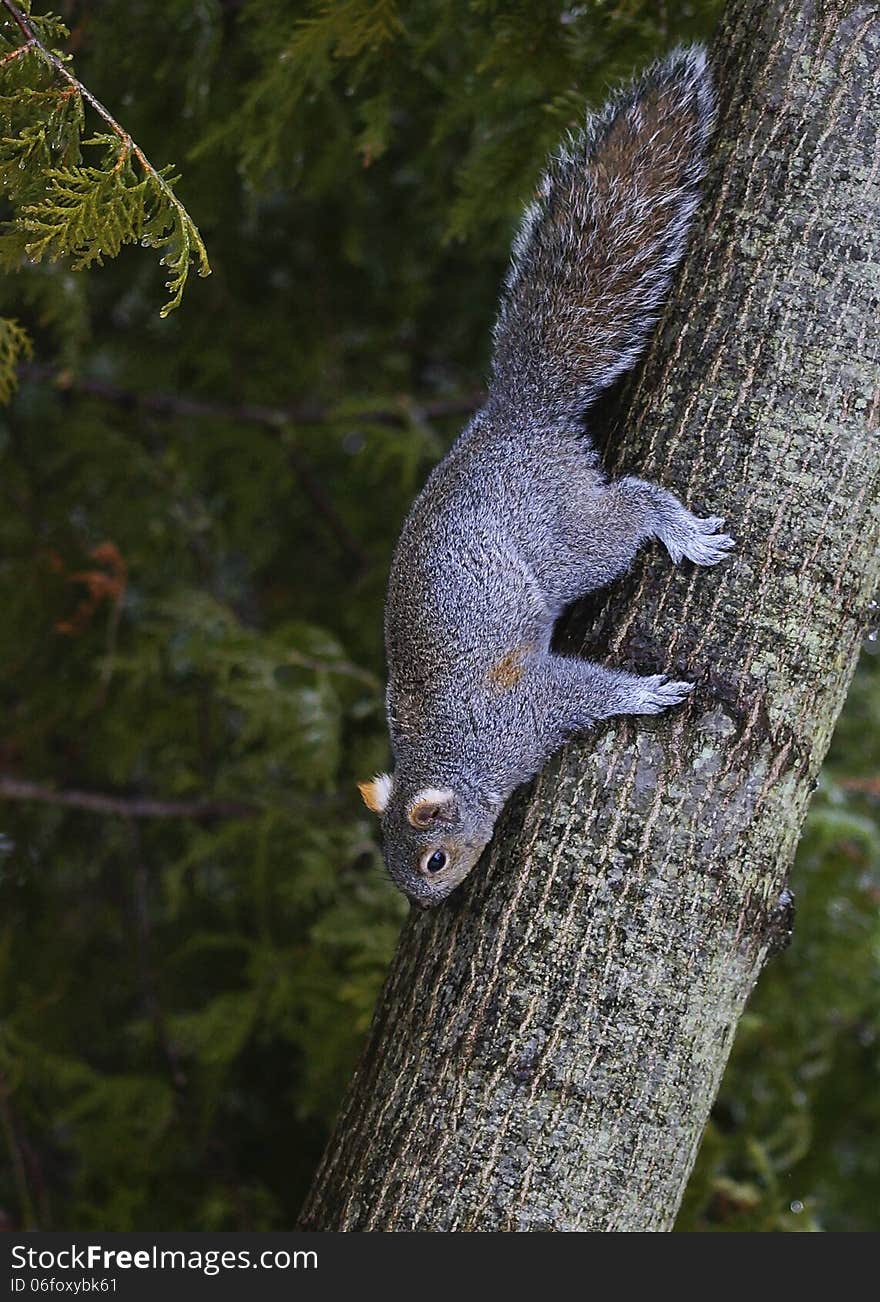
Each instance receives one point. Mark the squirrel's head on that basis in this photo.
(431, 836)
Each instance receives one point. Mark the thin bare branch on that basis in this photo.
(171, 404)
(868, 786)
(126, 806)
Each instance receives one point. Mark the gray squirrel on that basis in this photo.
(518, 520)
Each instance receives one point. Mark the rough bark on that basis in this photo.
(547, 1048)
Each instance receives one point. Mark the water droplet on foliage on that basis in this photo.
(797, 1206)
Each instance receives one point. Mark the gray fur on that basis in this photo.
(518, 520)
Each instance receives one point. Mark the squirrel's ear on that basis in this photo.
(377, 793)
(429, 805)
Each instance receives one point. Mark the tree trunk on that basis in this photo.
(548, 1045)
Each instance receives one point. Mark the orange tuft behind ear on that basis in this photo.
(377, 792)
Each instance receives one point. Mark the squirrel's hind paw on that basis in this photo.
(657, 693)
(690, 538)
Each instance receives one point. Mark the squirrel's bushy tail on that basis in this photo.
(596, 250)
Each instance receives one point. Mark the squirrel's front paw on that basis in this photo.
(658, 693)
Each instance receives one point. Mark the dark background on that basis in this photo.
(191, 610)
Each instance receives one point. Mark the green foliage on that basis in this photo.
(61, 207)
(192, 603)
(14, 344)
(89, 213)
(298, 63)
(491, 86)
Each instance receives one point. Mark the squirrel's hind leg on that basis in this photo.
(574, 694)
(606, 533)
(684, 535)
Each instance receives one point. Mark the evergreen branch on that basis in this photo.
(92, 211)
(15, 343)
(16, 53)
(125, 806)
(299, 62)
(88, 212)
(33, 41)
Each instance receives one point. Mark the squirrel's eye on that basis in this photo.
(436, 862)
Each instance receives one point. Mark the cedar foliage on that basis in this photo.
(193, 601)
(60, 206)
